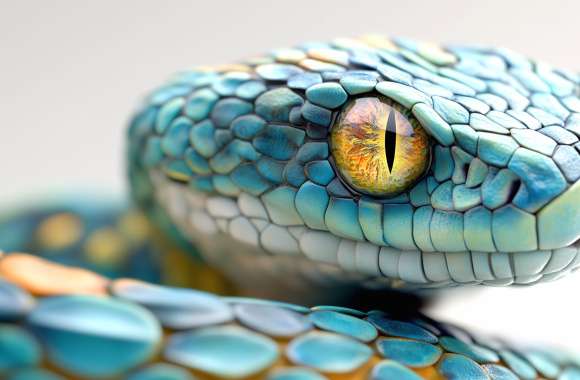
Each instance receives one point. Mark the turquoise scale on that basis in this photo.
(497, 372)
(413, 354)
(270, 169)
(275, 105)
(466, 137)
(229, 83)
(250, 90)
(202, 138)
(452, 112)
(18, 348)
(475, 352)
(444, 164)
(176, 308)
(504, 177)
(176, 139)
(167, 113)
(272, 320)
(328, 95)
(224, 351)
(311, 203)
(456, 367)
(304, 80)
(320, 172)
(401, 329)
(341, 219)
(344, 324)
(278, 72)
(247, 127)
(316, 114)
(248, 179)
(279, 141)
(226, 110)
(200, 104)
(399, 218)
(115, 335)
(356, 83)
(328, 352)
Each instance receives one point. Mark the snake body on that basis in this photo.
(241, 167)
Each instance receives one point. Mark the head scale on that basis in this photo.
(248, 162)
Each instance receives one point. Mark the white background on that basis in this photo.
(71, 71)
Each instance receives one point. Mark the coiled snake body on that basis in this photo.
(356, 173)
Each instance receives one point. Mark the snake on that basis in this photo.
(291, 213)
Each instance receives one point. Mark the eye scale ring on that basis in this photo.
(378, 147)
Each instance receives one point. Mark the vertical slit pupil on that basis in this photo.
(391, 140)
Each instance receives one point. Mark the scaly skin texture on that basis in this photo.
(62, 322)
(240, 155)
(236, 161)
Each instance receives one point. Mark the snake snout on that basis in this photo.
(559, 221)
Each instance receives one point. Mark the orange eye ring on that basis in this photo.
(378, 147)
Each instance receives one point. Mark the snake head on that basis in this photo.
(370, 160)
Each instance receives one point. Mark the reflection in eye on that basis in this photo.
(378, 147)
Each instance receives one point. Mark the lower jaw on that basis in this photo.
(302, 273)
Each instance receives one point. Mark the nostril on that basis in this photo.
(514, 188)
(541, 179)
(465, 170)
(500, 188)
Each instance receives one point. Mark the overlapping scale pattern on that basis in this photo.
(238, 158)
(256, 165)
(131, 332)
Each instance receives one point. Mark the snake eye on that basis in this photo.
(379, 149)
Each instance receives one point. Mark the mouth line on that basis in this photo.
(238, 233)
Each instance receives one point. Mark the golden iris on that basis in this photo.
(378, 147)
